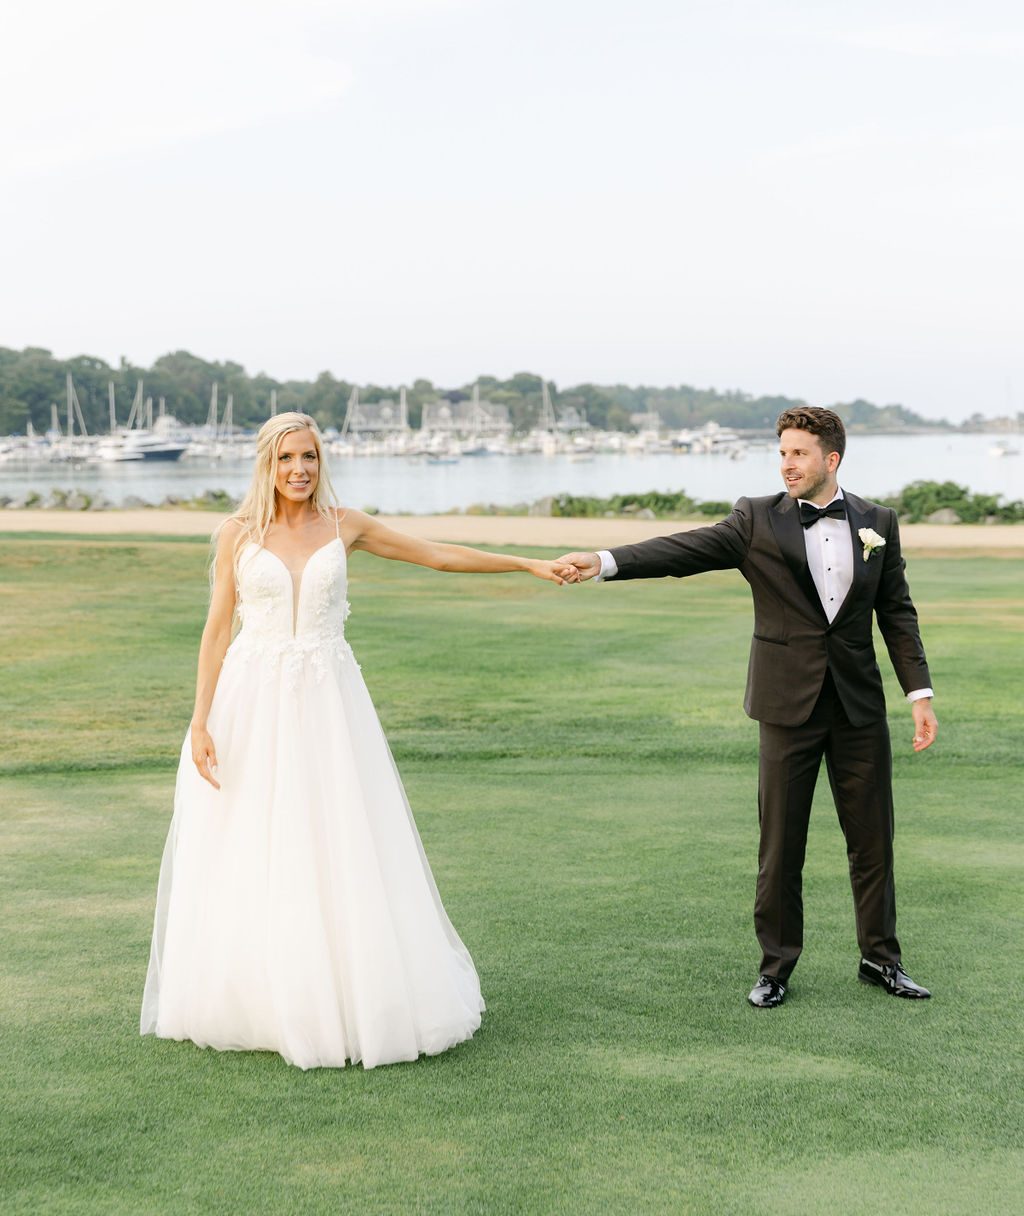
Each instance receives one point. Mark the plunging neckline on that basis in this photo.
(297, 585)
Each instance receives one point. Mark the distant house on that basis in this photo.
(572, 419)
(379, 417)
(376, 417)
(466, 418)
(649, 420)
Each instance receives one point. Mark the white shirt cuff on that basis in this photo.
(608, 567)
(918, 694)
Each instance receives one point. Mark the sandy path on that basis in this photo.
(491, 529)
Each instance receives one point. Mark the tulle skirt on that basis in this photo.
(296, 911)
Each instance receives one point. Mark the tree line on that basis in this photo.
(32, 379)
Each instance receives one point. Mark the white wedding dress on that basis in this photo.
(296, 911)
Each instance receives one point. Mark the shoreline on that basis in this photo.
(554, 532)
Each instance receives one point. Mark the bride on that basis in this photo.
(296, 911)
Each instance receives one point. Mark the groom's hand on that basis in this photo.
(926, 725)
(588, 564)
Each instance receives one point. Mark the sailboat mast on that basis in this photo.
(353, 405)
(547, 411)
(135, 417)
(78, 413)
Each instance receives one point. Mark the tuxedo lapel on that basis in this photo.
(789, 535)
(858, 515)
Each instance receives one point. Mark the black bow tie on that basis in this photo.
(810, 514)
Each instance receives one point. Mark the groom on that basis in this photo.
(819, 562)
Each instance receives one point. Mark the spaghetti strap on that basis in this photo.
(337, 524)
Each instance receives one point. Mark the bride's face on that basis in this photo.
(298, 466)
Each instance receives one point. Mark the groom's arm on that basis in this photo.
(897, 616)
(723, 546)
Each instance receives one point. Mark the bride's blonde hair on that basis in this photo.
(255, 513)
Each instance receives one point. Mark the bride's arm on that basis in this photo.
(212, 648)
(374, 537)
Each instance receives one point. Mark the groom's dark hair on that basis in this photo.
(826, 424)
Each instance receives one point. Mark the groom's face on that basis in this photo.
(807, 471)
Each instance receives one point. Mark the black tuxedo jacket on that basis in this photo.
(793, 643)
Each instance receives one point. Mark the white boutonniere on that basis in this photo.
(870, 540)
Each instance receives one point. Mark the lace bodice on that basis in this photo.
(292, 618)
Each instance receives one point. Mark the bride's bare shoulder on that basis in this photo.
(226, 534)
(354, 527)
(351, 520)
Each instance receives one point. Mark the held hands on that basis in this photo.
(583, 565)
(204, 755)
(556, 572)
(926, 725)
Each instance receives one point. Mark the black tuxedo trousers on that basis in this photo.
(859, 764)
(815, 688)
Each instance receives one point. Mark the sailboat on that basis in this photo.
(66, 448)
(141, 438)
(544, 436)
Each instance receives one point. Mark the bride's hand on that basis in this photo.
(555, 572)
(204, 755)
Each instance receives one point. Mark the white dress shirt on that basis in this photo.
(830, 555)
(829, 546)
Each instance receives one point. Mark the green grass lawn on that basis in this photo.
(584, 780)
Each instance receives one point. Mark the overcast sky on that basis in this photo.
(812, 198)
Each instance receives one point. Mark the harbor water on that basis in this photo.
(875, 466)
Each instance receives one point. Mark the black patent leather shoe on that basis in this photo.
(767, 993)
(892, 978)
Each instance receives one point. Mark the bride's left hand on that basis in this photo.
(555, 572)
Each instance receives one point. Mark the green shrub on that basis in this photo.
(914, 502)
(664, 505)
(920, 499)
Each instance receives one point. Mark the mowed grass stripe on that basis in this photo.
(585, 784)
